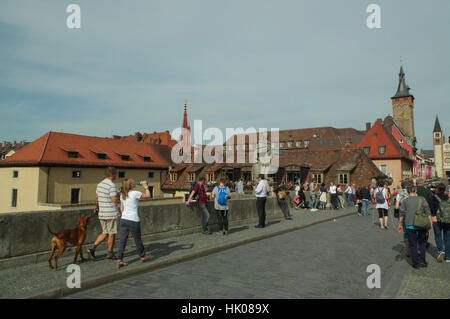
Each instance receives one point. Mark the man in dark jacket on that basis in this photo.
(364, 195)
(441, 229)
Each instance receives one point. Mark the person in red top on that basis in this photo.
(202, 198)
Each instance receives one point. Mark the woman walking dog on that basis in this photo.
(130, 222)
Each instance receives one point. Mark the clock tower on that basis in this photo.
(403, 107)
(438, 146)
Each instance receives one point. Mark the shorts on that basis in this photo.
(109, 226)
(381, 212)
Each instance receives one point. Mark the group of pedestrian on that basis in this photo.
(113, 208)
(419, 210)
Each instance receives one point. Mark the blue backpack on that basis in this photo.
(380, 197)
(222, 200)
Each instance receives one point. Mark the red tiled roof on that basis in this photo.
(53, 147)
(161, 138)
(378, 136)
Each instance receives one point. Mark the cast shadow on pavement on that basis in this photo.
(159, 250)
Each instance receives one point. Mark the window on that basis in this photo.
(72, 154)
(125, 157)
(14, 198)
(76, 174)
(343, 179)
(121, 174)
(382, 150)
(75, 196)
(146, 158)
(298, 143)
(101, 156)
(383, 169)
(306, 143)
(151, 174)
(15, 174)
(191, 177)
(366, 150)
(210, 177)
(289, 144)
(247, 175)
(281, 144)
(318, 178)
(173, 177)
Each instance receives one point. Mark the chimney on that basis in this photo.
(137, 137)
(368, 126)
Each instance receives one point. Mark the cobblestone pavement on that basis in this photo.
(34, 279)
(328, 260)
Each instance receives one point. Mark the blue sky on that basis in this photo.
(281, 64)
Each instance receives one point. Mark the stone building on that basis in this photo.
(62, 169)
(441, 152)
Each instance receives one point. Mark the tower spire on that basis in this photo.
(185, 122)
(403, 89)
(437, 125)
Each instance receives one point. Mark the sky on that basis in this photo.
(264, 64)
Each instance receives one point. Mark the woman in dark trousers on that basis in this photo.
(130, 221)
(223, 208)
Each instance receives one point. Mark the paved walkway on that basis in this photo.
(325, 260)
(328, 260)
(37, 279)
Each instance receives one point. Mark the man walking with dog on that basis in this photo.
(108, 212)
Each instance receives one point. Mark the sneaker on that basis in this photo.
(423, 263)
(416, 266)
(440, 258)
(91, 253)
(145, 258)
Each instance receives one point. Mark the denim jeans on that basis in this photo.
(442, 237)
(127, 227)
(205, 216)
(417, 240)
(341, 200)
(313, 200)
(365, 207)
(350, 200)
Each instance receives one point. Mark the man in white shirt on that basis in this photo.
(333, 195)
(261, 191)
(108, 212)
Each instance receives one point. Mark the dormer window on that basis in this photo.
(72, 154)
(100, 155)
(125, 157)
(173, 177)
(146, 158)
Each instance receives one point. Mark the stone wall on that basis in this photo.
(26, 233)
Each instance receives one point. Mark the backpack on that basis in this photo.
(380, 197)
(443, 214)
(421, 219)
(195, 197)
(222, 200)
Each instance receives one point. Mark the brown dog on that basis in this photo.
(74, 236)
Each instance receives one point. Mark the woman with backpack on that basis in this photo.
(221, 194)
(381, 196)
(130, 221)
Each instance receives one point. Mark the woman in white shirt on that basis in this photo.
(130, 221)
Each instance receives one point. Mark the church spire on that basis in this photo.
(403, 89)
(185, 122)
(437, 125)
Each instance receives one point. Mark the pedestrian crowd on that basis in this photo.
(417, 209)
